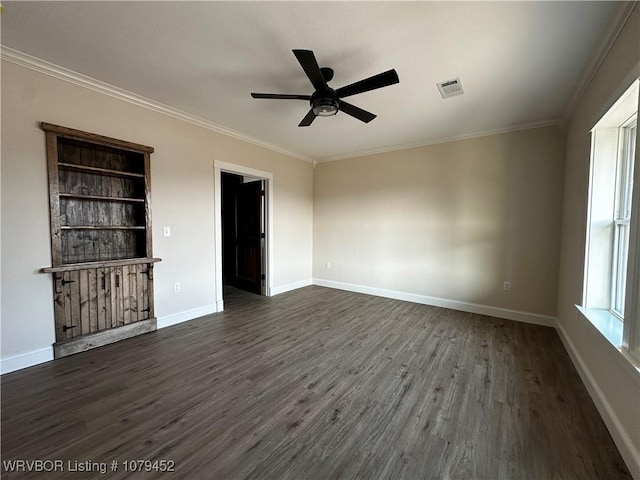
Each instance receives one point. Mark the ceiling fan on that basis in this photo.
(326, 101)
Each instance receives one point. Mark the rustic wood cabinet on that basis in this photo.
(102, 263)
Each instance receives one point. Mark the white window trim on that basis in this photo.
(621, 216)
(597, 307)
(631, 333)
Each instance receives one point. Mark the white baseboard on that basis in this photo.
(180, 317)
(621, 438)
(24, 360)
(29, 359)
(290, 286)
(519, 316)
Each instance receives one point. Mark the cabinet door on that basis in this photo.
(135, 293)
(142, 292)
(67, 305)
(79, 298)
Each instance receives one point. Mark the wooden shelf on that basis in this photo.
(99, 264)
(103, 227)
(102, 198)
(101, 171)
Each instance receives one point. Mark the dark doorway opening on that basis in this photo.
(243, 232)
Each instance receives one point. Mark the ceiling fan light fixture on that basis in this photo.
(325, 101)
(325, 107)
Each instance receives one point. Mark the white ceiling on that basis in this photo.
(520, 62)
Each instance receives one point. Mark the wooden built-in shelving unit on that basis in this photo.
(102, 263)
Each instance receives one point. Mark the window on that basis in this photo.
(611, 270)
(624, 189)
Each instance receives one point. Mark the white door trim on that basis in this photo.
(219, 167)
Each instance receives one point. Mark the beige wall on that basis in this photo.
(453, 220)
(614, 384)
(182, 179)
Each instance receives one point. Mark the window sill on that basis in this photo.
(611, 328)
(606, 323)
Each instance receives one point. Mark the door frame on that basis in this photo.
(219, 167)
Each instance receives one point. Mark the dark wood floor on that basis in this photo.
(317, 384)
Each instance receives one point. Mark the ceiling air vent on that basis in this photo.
(450, 88)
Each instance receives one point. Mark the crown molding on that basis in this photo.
(61, 73)
(621, 16)
(558, 122)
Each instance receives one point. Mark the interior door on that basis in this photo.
(243, 227)
(249, 235)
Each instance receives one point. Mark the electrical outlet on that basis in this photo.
(507, 286)
(176, 287)
(327, 264)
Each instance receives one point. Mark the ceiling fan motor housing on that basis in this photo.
(324, 104)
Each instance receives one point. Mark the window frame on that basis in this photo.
(622, 216)
(608, 206)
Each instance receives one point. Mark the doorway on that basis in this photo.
(243, 230)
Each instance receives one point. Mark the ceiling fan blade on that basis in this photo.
(281, 96)
(356, 112)
(310, 66)
(308, 119)
(377, 81)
